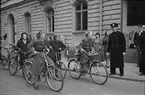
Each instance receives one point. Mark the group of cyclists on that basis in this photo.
(53, 45)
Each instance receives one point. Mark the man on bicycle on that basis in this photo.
(88, 45)
(39, 45)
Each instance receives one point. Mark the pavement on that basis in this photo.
(16, 85)
(131, 72)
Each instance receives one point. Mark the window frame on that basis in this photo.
(50, 20)
(81, 13)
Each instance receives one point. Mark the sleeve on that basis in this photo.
(109, 44)
(18, 44)
(135, 39)
(123, 43)
(63, 46)
(31, 45)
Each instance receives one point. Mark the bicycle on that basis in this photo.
(60, 64)
(95, 69)
(51, 73)
(5, 59)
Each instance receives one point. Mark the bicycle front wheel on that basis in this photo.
(5, 62)
(54, 78)
(63, 69)
(28, 75)
(13, 67)
(74, 69)
(98, 73)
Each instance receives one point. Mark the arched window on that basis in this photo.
(50, 20)
(27, 22)
(81, 10)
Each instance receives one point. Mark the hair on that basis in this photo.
(23, 34)
(54, 37)
(139, 25)
(97, 34)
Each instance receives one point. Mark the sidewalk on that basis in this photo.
(130, 72)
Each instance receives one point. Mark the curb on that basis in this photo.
(124, 78)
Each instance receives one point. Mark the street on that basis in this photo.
(16, 85)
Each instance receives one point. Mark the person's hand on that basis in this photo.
(124, 53)
(107, 53)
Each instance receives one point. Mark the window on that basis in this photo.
(27, 22)
(81, 16)
(50, 20)
(135, 12)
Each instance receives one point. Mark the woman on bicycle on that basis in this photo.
(39, 45)
(23, 45)
(57, 46)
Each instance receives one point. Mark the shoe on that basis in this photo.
(112, 74)
(121, 75)
(140, 74)
(36, 87)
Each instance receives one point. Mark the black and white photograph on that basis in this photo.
(72, 47)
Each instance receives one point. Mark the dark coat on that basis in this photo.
(24, 48)
(142, 52)
(116, 47)
(57, 46)
(136, 38)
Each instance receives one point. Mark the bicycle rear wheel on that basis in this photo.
(5, 63)
(13, 68)
(28, 75)
(54, 78)
(98, 73)
(62, 68)
(74, 69)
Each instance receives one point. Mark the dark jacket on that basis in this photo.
(136, 38)
(23, 46)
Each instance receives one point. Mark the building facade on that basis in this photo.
(70, 18)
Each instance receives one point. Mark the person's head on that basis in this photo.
(139, 26)
(88, 34)
(5, 36)
(40, 34)
(97, 35)
(24, 36)
(55, 37)
(114, 27)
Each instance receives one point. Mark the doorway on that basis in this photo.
(11, 29)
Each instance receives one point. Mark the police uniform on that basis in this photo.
(116, 47)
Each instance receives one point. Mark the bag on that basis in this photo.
(84, 58)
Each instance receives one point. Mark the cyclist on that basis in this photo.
(57, 46)
(23, 45)
(88, 45)
(39, 45)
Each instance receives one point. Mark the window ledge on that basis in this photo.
(78, 32)
(49, 33)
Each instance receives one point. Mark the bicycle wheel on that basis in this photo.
(28, 75)
(54, 78)
(98, 73)
(74, 69)
(5, 62)
(62, 68)
(13, 67)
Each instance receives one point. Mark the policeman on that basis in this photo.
(116, 49)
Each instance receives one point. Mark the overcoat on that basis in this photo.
(142, 52)
(116, 47)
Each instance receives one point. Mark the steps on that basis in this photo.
(130, 56)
